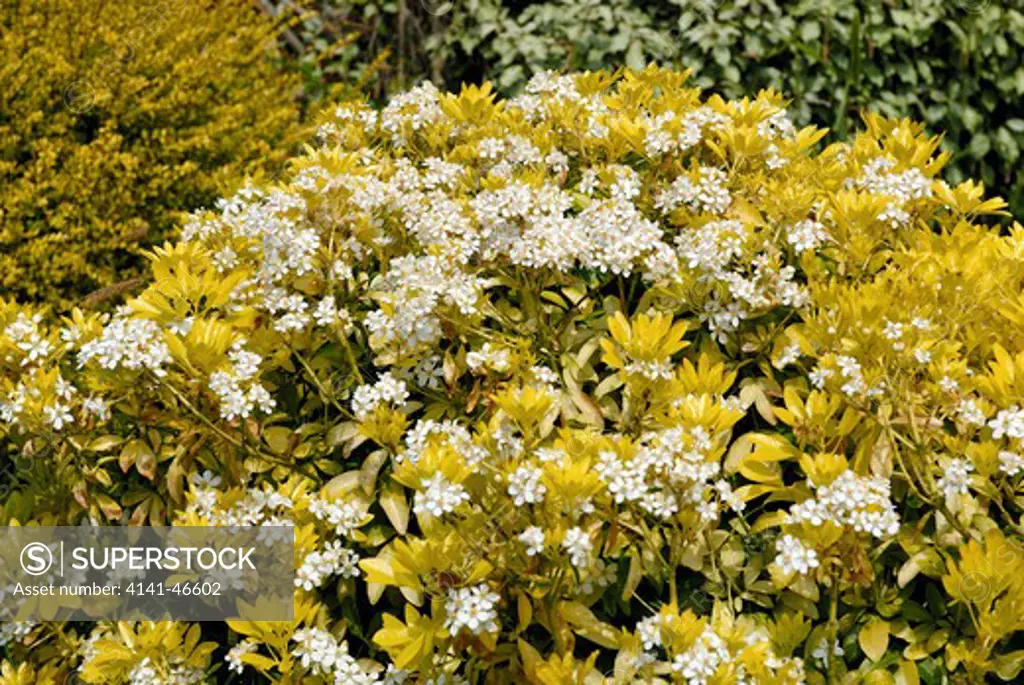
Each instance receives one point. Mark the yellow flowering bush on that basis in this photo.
(604, 383)
(117, 116)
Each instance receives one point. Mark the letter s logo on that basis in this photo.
(36, 559)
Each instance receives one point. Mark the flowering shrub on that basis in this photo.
(116, 118)
(604, 383)
(956, 65)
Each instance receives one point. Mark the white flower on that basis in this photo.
(579, 546)
(1011, 463)
(471, 609)
(818, 376)
(57, 415)
(730, 496)
(387, 390)
(955, 477)
(438, 496)
(318, 650)
(794, 557)
(326, 312)
(13, 631)
(893, 330)
(861, 502)
(649, 630)
(206, 479)
(821, 651)
(524, 486)
(700, 662)
(319, 566)
(488, 357)
(237, 388)
(127, 342)
(96, 406)
(533, 538)
(790, 355)
(970, 412)
(344, 516)
(1009, 422)
(806, 235)
(234, 655)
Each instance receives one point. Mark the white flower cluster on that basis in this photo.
(238, 392)
(128, 343)
(13, 631)
(805, 235)
(24, 333)
(14, 405)
(649, 630)
(1011, 463)
(414, 289)
(438, 496)
(549, 90)
(533, 538)
(143, 673)
(259, 507)
(387, 390)
(669, 133)
(970, 413)
(955, 477)
(488, 357)
(708, 194)
(456, 436)
(719, 252)
(473, 609)
(323, 655)
(234, 655)
(852, 373)
(1009, 423)
(412, 110)
(579, 546)
(667, 462)
(626, 478)
(878, 179)
(794, 557)
(862, 502)
(700, 662)
(334, 560)
(344, 516)
(524, 486)
(652, 370)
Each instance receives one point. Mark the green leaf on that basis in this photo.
(810, 31)
(873, 638)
